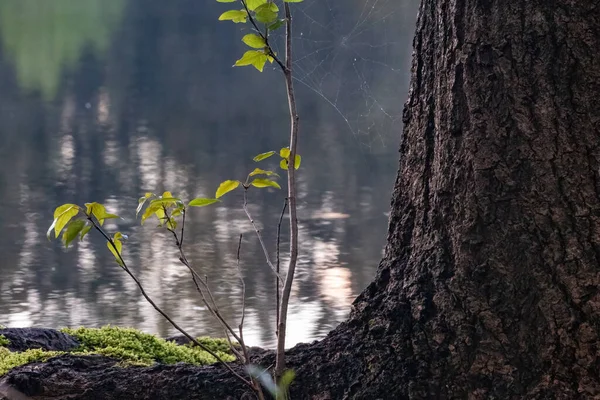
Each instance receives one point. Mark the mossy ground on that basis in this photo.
(126, 344)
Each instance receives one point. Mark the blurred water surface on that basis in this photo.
(103, 100)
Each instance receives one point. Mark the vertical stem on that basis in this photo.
(294, 119)
(278, 290)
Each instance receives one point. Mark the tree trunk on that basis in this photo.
(489, 287)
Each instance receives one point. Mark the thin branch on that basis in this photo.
(241, 325)
(161, 312)
(214, 309)
(294, 127)
(277, 292)
(260, 239)
(243, 284)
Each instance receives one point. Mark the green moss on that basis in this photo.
(10, 360)
(4, 341)
(130, 346)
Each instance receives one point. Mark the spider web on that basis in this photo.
(349, 54)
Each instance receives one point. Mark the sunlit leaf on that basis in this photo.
(226, 187)
(111, 216)
(61, 209)
(253, 40)
(150, 210)
(142, 201)
(160, 214)
(258, 171)
(284, 153)
(95, 209)
(262, 183)
(297, 161)
(172, 224)
(283, 164)
(255, 58)
(72, 231)
(202, 202)
(253, 4)
(262, 156)
(166, 201)
(63, 218)
(236, 16)
(119, 247)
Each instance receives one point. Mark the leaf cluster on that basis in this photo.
(264, 12)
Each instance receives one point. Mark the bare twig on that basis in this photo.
(260, 239)
(241, 326)
(161, 312)
(294, 120)
(277, 292)
(214, 309)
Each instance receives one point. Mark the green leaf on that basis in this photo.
(255, 58)
(62, 216)
(276, 25)
(85, 231)
(262, 183)
(142, 201)
(265, 14)
(258, 171)
(111, 216)
(236, 16)
(226, 187)
(268, 6)
(297, 161)
(61, 209)
(73, 229)
(253, 4)
(202, 202)
(283, 164)
(284, 153)
(286, 380)
(117, 242)
(253, 40)
(97, 210)
(262, 156)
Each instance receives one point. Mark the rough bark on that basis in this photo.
(489, 287)
(22, 339)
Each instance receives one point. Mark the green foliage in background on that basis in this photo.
(42, 38)
(129, 345)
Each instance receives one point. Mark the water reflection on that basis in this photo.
(103, 101)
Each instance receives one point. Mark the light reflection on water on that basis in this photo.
(150, 107)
